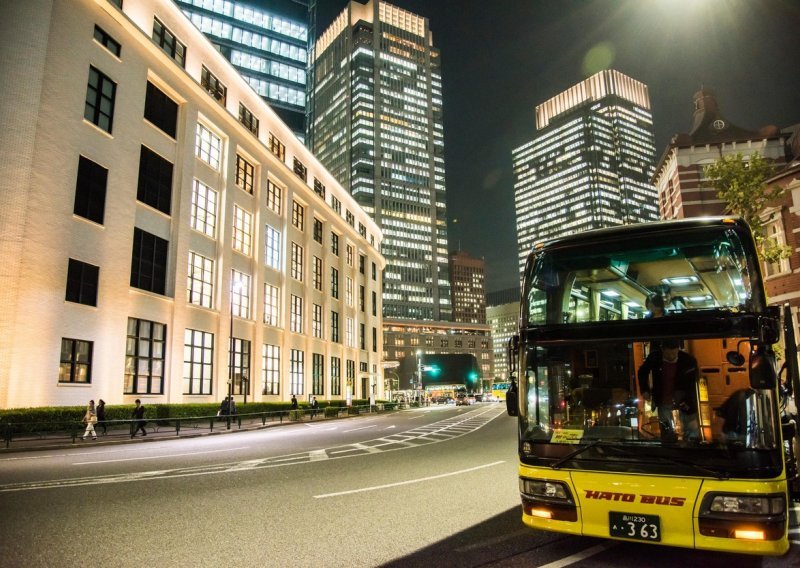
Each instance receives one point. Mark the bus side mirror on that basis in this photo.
(762, 369)
(512, 402)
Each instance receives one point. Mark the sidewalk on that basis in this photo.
(161, 429)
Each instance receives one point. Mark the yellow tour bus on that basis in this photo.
(499, 391)
(645, 384)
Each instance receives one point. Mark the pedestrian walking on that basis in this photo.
(232, 407)
(90, 419)
(294, 402)
(314, 407)
(224, 407)
(138, 415)
(101, 416)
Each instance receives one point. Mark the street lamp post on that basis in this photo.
(419, 376)
(236, 287)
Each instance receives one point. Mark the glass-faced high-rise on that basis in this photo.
(376, 124)
(590, 164)
(267, 41)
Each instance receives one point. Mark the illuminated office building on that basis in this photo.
(268, 42)
(163, 243)
(468, 282)
(502, 315)
(590, 163)
(376, 124)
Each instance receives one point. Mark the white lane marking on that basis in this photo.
(39, 457)
(317, 455)
(582, 555)
(280, 461)
(164, 456)
(334, 452)
(362, 428)
(407, 482)
(390, 427)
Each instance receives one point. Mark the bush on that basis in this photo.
(61, 418)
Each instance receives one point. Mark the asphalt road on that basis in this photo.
(423, 487)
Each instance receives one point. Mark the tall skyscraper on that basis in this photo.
(590, 163)
(468, 281)
(268, 42)
(376, 124)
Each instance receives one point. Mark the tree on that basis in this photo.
(741, 184)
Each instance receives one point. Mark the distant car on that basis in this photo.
(462, 400)
(478, 397)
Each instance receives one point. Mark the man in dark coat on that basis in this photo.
(138, 415)
(674, 386)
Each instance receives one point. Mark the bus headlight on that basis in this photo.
(549, 489)
(742, 516)
(547, 499)
(747, 504)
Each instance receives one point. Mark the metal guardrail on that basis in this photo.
(35, 433)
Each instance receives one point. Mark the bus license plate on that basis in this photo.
(635, 526)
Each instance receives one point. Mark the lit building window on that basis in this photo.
(204, 209)
(240, 294)
(198, 361)
(245, 172)
(271, 312)
(273, 197)
(242, 230)
(167, 41)
(200, 288)
(271, 369)
(272, 245)
(296, 314)
(208, 146)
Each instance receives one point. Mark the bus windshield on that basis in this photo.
(577, 394)
(626, 343)
(641, 277)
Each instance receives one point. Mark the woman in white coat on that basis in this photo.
(90, 419)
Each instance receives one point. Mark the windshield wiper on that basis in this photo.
(715, 472)
(574, 453)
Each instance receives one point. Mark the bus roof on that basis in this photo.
(632, 231)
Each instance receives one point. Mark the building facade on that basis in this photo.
(407, 343)
(164, 234)
(590, 163)
(782, 278)
(683, 190)
(502, 315)
(268, 42)
(468, 287)
(375, 121)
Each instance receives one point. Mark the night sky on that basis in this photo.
(501, 58)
